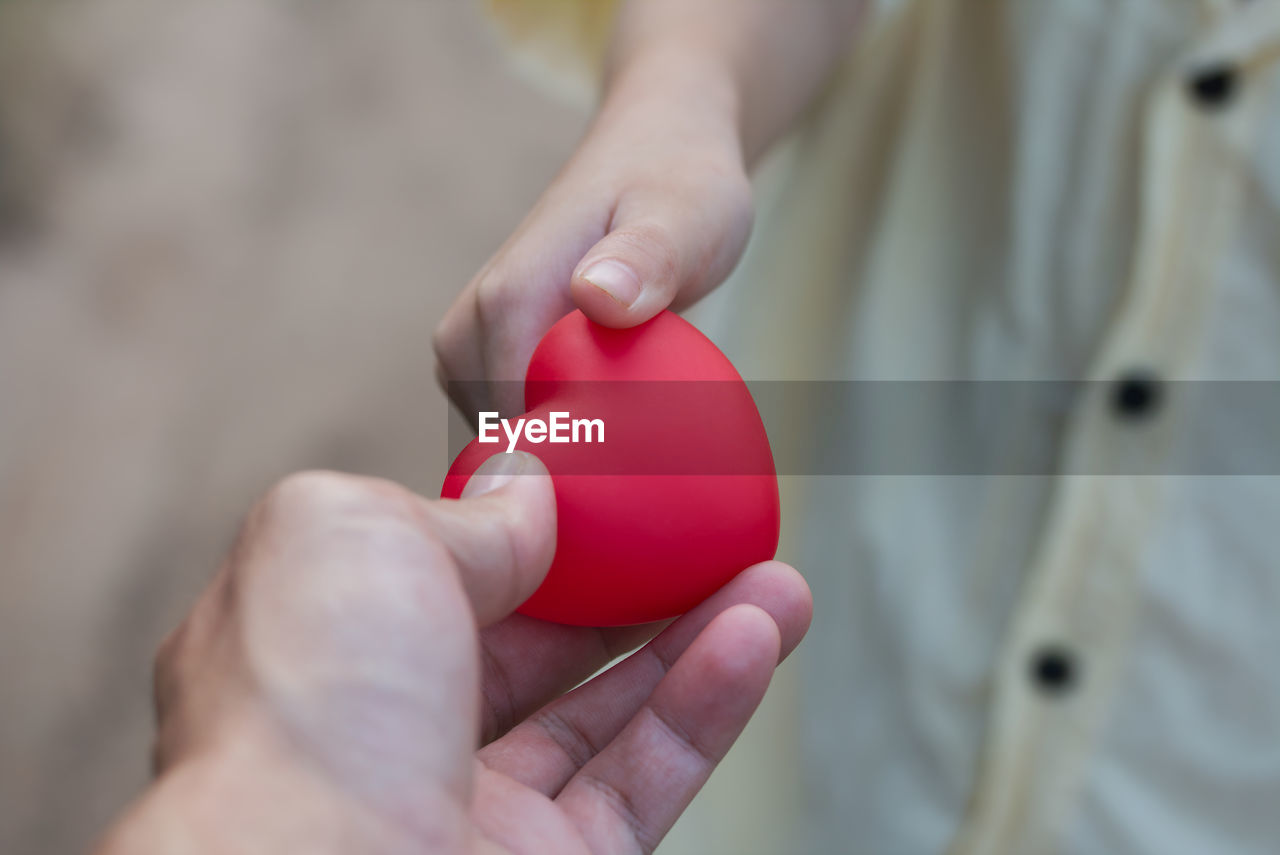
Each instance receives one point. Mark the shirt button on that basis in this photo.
(1136, 395)
(1213, 86)
(1054, 669)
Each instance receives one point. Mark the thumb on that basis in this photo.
(666, 246)
(501, 533)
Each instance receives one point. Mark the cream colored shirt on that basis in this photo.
(1085, 662)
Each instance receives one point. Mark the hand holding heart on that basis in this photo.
(651, 212)
(327, 692)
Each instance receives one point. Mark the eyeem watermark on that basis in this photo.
(557, 428)
(892, 427)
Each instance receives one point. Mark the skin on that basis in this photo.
(328, 692)
(654, 208)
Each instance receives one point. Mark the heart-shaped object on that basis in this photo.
(679, 496)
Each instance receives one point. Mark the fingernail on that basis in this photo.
(495, 472)
(615, 279)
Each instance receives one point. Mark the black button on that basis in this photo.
(1136, 395)
(1054, 669)
(1213, 86)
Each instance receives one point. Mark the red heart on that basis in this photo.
(680, 496)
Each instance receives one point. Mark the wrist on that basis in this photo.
(753, 64)
(674, 92)
(244, 797)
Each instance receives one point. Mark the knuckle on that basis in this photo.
(571, 737)
(313, 489)
(682, 738)
(520, 536)
(451, 336)
(449, 373)
(324, 495)
(494, 535)
(164, 667)
(623, 806)
(653, 242)
(494, 299)
(166, 691)
(443, 343)
(351, 550)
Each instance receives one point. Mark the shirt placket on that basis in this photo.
(1068, 641)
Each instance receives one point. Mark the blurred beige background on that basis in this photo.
(227, 231)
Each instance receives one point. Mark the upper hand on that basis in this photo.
(651, 212)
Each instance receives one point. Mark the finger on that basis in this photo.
(338, 598)
(666, 244)
(629, 795)
(484, 343)
(471, 397)
(527, 662)
(501, 533)
(548, 748)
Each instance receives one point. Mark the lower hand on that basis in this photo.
(328, 692)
